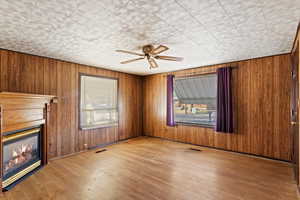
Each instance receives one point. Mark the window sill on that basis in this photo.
(196, 125)
(98, 127)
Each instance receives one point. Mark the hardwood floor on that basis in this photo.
(151, 168)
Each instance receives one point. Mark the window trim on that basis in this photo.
(194, 125)
(177, 123)
(79, 103)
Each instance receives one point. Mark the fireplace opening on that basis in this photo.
(21, 155)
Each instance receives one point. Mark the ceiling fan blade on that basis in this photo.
(171, 58)
(152, 63)
(159, 49)
(130, 52)
(132, 60)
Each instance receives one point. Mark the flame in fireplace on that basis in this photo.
(19, 156)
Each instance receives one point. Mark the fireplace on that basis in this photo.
(24, 128)
(22, 154)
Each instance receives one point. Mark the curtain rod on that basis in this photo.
(195, 73)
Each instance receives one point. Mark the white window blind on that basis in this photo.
(195, 99)
(98, 102)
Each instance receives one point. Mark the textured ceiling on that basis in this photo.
(202, 31)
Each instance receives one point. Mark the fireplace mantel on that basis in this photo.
(21, 111)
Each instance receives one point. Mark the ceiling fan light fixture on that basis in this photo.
(152, 63)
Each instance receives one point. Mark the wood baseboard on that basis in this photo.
(220, 149)
(92, 148)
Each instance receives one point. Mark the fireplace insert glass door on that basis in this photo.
(21, 154)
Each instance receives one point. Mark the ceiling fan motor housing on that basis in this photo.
(147, 49)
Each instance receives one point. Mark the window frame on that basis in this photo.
(190, 123)
(79, 102)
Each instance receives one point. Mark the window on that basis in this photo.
(98, 102)
(195, 100)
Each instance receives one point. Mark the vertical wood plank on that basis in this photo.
(261, 97)
(26, 73)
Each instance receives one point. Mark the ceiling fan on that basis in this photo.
(151, 54)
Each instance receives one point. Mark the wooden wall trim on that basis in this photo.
(296, 40)
(56, 59)
(231, 63)
(100, 146)
(222, 149)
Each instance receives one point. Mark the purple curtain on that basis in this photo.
(170, 108)
(224, 101)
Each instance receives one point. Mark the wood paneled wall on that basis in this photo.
(32, 74)
(261, 108)
(261, 97)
